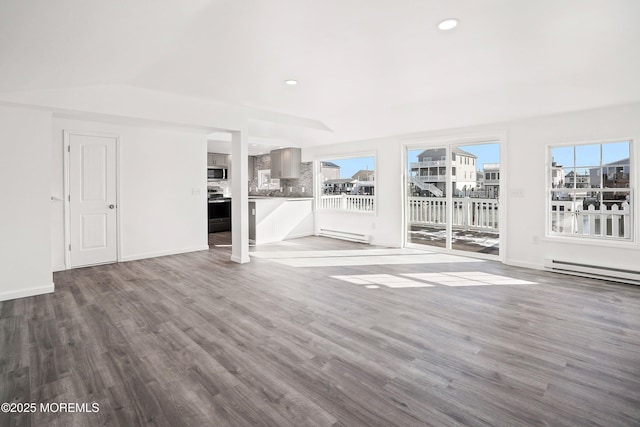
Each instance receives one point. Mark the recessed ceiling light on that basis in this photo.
(448, 24)
(291, 82)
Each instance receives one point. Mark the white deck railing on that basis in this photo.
(347, 202)
(428, 164)
(468, 213)
(432, 178)
(570, 218)
(567, 217)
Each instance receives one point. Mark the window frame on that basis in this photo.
(597, 240)
(319, 185)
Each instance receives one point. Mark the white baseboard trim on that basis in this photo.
(163, 253)
(23, 293)
(61, 267)
(530, 265)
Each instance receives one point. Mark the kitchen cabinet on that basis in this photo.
(252, 221)
(215, 159)
(285, 163)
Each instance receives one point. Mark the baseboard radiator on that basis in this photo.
(344, 235)
(593, 271)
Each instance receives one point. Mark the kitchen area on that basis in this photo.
(280, 197)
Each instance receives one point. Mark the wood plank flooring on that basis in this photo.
(196, 340)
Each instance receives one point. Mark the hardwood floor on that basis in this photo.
(323, 332)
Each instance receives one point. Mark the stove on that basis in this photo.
(215, 193)
(219, 211)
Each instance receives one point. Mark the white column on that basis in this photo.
(240, 199)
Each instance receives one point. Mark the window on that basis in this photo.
(589, 190)
(348, 184)
(265, 182)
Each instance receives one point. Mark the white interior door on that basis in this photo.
(92, 199)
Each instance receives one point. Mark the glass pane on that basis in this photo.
(475, 226)
(620, 199)
(615, 215)
(615, 152)
(590, 201)
(587, 177)
(557, 177)
(563, 208)
(568, 178)
(587, 204)
(561, 195)
(616, 176)
(588, 155)
(347, 184)
(427, 191)
(562, 157)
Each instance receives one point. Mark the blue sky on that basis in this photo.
(348, 167)
(486, 153)
(589, 155)
(586, 155)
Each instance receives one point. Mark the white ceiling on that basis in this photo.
(367, 68)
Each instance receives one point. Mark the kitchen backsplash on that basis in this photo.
(300, 187)
(224, 185)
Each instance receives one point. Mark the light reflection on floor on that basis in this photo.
(335, 253)
(338, 258)
(389, 256)
(469, 278)
(371, 281)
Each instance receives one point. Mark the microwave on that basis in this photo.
(217, 173)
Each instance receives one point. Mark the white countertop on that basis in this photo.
(289, 199)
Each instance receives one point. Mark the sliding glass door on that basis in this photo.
(427, 196)
(452, 197)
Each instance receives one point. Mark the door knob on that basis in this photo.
(112, 206)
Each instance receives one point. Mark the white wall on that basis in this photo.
(525, 195)
(25, 227)
(162, 189)
(526, 215)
